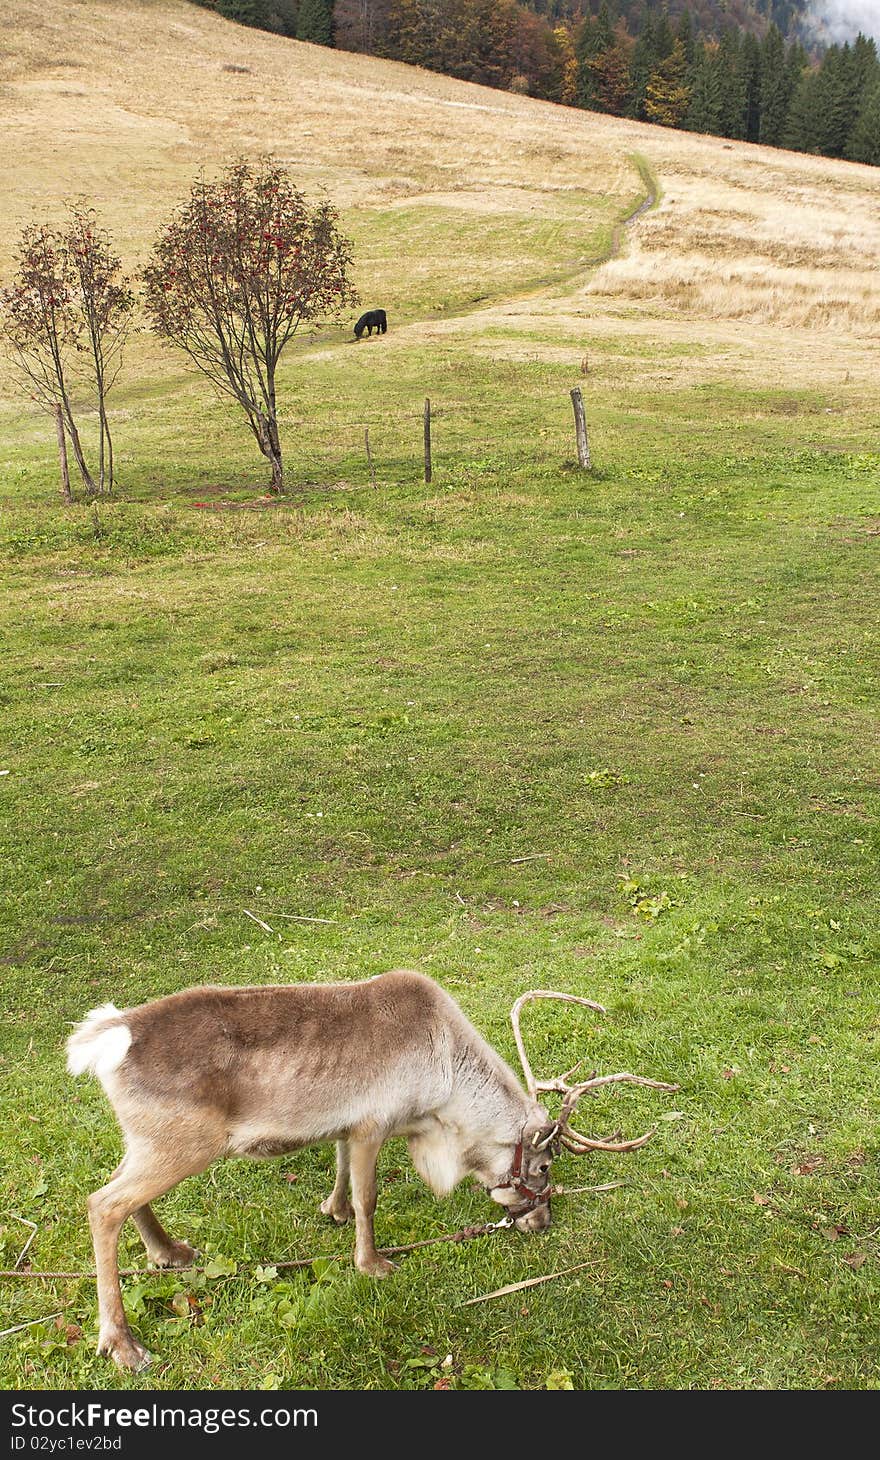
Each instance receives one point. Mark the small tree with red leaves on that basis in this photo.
(65, 318)
(105, 303)
(241, 265)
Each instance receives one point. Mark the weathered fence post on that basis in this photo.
(580, 425)
(62, 452)
(369, 454)
(427, 440)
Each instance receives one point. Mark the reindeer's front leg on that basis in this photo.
(364, 1150)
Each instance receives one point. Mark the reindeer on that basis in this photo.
(259, 1072)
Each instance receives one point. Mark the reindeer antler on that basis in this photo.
(564, 1133)
(533, 1085)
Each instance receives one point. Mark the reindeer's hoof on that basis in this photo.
(376, 1267)
(340, 1211)
(125, 1351)
(178, 1254)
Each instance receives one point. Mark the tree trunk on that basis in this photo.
(79, 456)
(62, 455)
(110, 469)
(101, 468)
(266, 431)
(105, 472)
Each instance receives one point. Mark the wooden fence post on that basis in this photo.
(62, 452)
(369, 454)
(427, 440)
(580, 425)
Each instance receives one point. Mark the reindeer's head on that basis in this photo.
(525, 1189)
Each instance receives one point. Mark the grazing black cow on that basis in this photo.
(373, 319)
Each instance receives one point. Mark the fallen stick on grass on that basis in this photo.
(25, 1223)
(527, 1283)
(259, 921)
(31, 1323)
(301, 918)
(576, 1190)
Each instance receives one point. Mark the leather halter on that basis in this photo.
(514, 1180)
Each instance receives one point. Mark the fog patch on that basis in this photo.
(836, 21)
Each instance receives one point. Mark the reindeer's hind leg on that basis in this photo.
(337, 1204)
(145, 1173)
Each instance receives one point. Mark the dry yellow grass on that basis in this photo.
(766, 261)
(758, 235)
(452, 192)
(124, 101)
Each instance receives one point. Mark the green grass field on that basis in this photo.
(613, 734)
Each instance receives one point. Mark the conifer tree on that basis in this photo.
(246, 12)
(733, 93)
(611, 79)
(704, 109)
(568, 64)
(644, 61)
(821, 113)
(664, 40)
(282, 16)
(856, 68)
(842, 98)
(865, 63)
(802, 131)
(406, 33)
(750, 67)
(603, 29)
(684, 32)
(864, 140)
(861, 138)
(315, 22)
(775, 88)
(585, 48)
(594, 37)
(667, 94)
(796, 61)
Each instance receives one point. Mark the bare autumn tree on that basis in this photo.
(239, 268)
(65, 318)
(105, 303)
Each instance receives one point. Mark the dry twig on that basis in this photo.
(259, 921)
(300, 918)
(31, 1323)
(527, 1283)
(25, 1223)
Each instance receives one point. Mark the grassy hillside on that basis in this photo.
(614, 734)
(126, 101)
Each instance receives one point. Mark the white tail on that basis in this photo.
(99, 1044)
